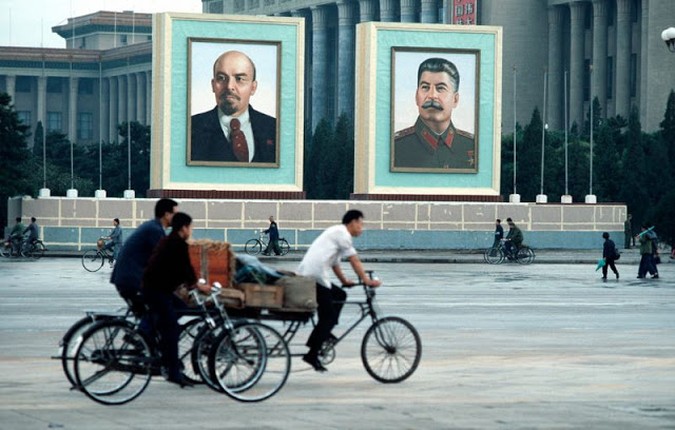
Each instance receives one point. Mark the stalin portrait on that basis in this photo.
(433, 142)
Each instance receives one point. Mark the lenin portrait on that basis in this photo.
(225, 128)
(433, 137)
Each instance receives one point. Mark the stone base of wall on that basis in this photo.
(76, 223)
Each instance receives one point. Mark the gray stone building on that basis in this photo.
(611, 49)
(101, 79)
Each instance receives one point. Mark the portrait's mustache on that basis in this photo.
(432, 104)
(226, 94)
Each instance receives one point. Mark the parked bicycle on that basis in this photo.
(497, 255)
(94, 259)
(256, 246)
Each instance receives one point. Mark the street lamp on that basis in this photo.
(668, 36)
(541, 197)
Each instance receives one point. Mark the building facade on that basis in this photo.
(100, 80)
(610, 49)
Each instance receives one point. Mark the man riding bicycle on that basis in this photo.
(513, 240)
(114, 240)
(31, 234)
(16, 235)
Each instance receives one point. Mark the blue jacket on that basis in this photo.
(135, 254)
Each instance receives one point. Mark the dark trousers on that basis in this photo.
(165, 319)
(646, 265)
(273, 246)
(330, 305)
(609, 262)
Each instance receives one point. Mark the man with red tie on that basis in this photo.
(233, 131)
(433, 141)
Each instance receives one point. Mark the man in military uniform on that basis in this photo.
(434, 142)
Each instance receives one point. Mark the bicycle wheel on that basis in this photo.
(69, 343)
(391, 350)
(525, 255)
(493, 255)
(92, 260)
(250, 362)
(5, 250)
(201, 352)
(113, 363)
(284, 247)
(187, 342)
(253, 246)
(33, 250)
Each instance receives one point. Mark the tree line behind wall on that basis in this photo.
(628, 165)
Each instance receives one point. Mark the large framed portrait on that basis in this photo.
(232, 80)
(428, 109)
(434, 112)
(227, 103)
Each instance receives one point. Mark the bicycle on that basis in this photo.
(391, 348)
(496, 255)
(33, 249)
(94, 259)
(114, 362)
(256, 246)
(8, 247)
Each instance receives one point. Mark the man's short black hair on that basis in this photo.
(163, 206)
(180, 220)
(33, 219)
(437, 65)
(605, 235)
(351, 215)
(499, 221)
(18, 219)
(509, 220)
(117, 220)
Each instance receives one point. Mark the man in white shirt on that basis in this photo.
(324, 255)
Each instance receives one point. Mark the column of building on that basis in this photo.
(114, 111)
(104, 126)
(644, 68)
(387, 10)
(408, 11)
(148, 98)
(11, 87)
(319, 65)
(623, 48)
(42, 101)
(346, 57)
(429, 11)
(599, 76)
(577, 72)
(555, 68)
(140, 97)
(366, 10)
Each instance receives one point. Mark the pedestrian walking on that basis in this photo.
(610, 254)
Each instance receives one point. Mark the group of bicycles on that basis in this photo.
(32, 250)
(235, 352)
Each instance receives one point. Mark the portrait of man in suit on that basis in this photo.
(433, 142)
(233, 131)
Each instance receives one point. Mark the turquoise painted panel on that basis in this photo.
(485, 43)
(288, 103)
(60, 234)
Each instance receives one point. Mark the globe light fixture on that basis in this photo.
(668, 36)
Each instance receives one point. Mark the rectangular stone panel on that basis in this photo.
(398, 212)
(329, 213)
(224, 211)
(295, 214)
(578, 214)
(445, 212)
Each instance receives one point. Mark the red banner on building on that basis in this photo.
(464, 11)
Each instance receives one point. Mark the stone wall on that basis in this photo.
(76, 223)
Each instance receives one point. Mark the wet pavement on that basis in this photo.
(547, 345)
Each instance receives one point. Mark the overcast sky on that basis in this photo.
(30, 22)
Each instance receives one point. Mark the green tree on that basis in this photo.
(529, 158)
(320, 179)
(139, 150)
(15, 166)
(344, 143)
(634, 190)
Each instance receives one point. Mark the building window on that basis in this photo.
(610, 77)
(24, 117)
(85, 86)
(22, 84)
(54, 85)
(54, 121)
(85, 126)
(633, 75)
(216, 7)
(588, 16)
(459, 10)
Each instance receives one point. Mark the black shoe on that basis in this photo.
(656, 276)
(617, 276)
(604, 278)
(265, 253)
(181, 380)
(314, 362)
(640, 277)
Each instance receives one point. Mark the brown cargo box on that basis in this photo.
(213, 261)
(262, 296)
(299, 292)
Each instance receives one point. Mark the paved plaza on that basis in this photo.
(545, 346)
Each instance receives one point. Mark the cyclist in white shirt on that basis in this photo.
(324, 255)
